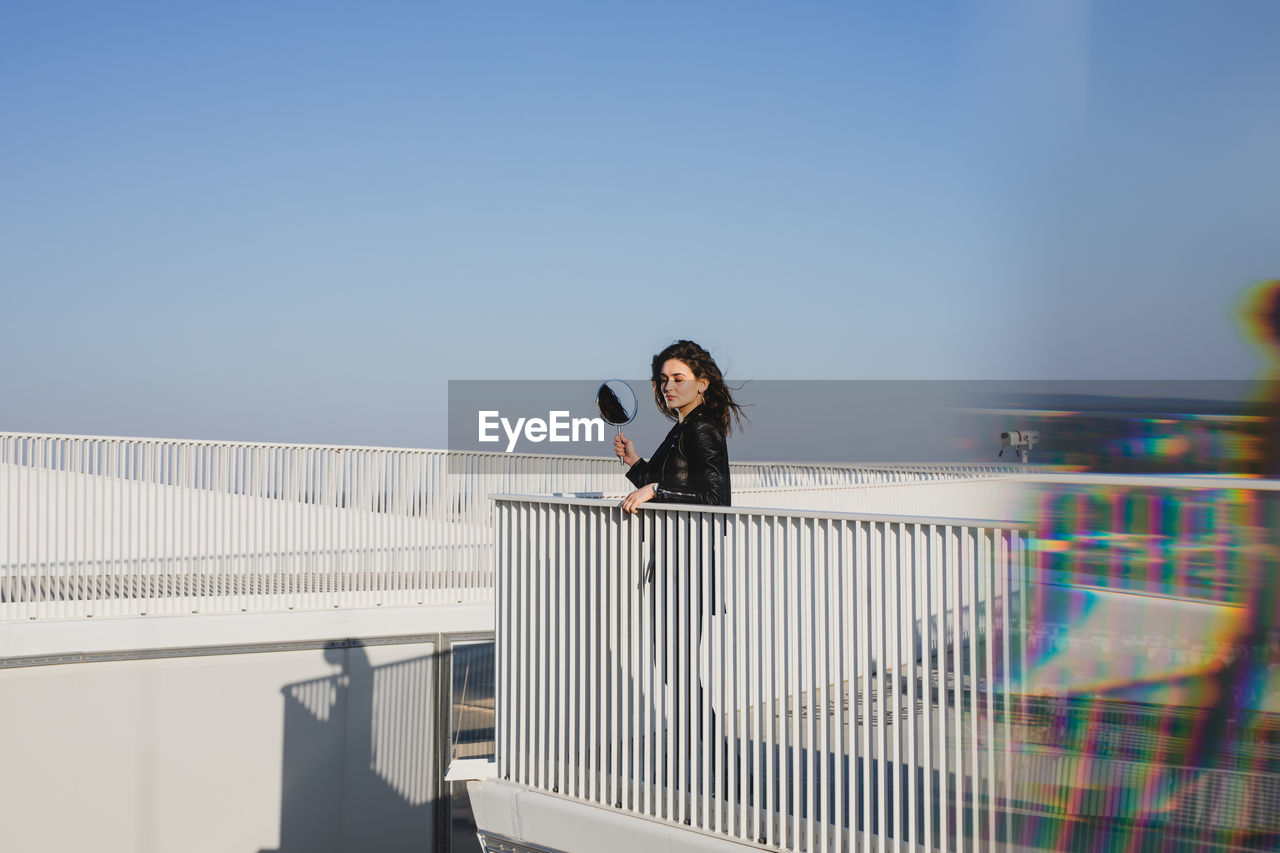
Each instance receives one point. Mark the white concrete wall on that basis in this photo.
(194, 741)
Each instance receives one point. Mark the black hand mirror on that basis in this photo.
(617, 402)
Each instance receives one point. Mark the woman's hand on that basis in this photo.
(625, 449)
(631, 503)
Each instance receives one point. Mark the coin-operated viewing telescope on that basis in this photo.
(1020, 440)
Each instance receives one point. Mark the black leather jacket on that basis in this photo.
(691, 466)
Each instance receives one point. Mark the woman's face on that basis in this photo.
(681, 390)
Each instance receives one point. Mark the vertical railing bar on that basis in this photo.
(710, 632)
(870, 643)
(91, 565)
(128, 533)
(573, 782)
(938, 584)
(956, 590)
(561, 584)
(388, 582)
(893, 671)
(879, 705)
(325, 519)
(616, 588)
(661, 666)
(242, 496)
(738, 571)
(859, 702)
(358, 585)
(305, 514)
(930, 654)
(692, 668)
(524, 645)
(248, 547)
(56, 525)
(808, 624)
(913, 561)
(56, 522)
(755, 666)
(504, 565)
(360, 511)
(91, 515)
(655, 668)
(48, 509)
(558, 588)
(773, 758)
(987, 558)
(182, 525)
(667, 603)
(591, 698)
(822, 618)
(970, 577)
(612, 659)
(513, 616)
(539, 664)
(794, 646)
(14, 575)
(104, 537)
(677, 656)
(581, 625)
(619, 591)
(540, 672)
(192, 538)
(646, 738)
(52, 517)
(176, 552)
(71, 482)
(683, 695)
(601, 704)
(264, 546)
(96, 565)
(731, 618)
(725, 615)
(846, 720)
(133, 462)
(547, 577)
(210, 530)
(29, 605)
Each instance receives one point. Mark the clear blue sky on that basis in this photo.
(295, 221)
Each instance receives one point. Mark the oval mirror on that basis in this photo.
(616, 402)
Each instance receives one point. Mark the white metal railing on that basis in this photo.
(797, 680)
(117, 526)
(798, 475)
(99, 526)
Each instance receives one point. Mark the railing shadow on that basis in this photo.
(358, 770)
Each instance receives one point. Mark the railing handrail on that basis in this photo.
(940, 521)
(883, 484)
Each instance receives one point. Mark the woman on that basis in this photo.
(690, 466)
(692, 463)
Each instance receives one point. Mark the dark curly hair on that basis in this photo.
(718, 399)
